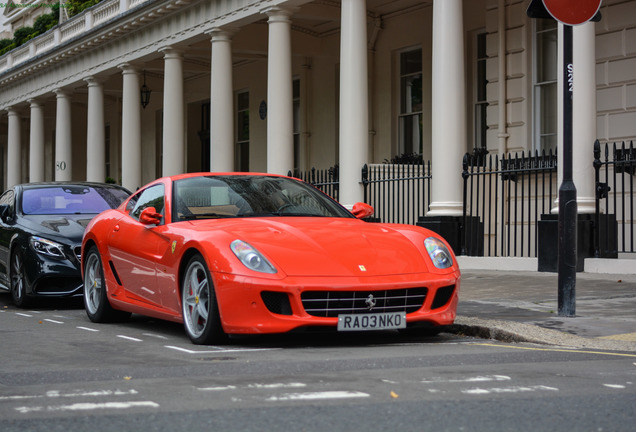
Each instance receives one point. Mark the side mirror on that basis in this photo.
(362, 210)
(149, 216)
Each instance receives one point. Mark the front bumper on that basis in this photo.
(50, 277)
(252, 306)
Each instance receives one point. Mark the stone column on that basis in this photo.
(280, 122)
(221, 102)
(130, 128)
(354, 100)
(14, 148)
(173, 113)
(36, 142)
(63, 137)
(584, 115)
(95, 135)
(449, 109)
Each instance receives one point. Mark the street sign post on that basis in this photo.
(569, 13)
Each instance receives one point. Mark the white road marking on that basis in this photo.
(216, 350)
(515, 389)
(615, 386)
(276, 385)
(24, 315)
(220, 388)
(89, 406)
(130, 338)
(87, 329)
(318, 396)
(484, 378)
(155, 336)
(52, 321)
(57, 394)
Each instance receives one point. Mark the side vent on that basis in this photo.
(112, 268)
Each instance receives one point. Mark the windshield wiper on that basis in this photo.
(206, 216)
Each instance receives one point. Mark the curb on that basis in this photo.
(513, 332)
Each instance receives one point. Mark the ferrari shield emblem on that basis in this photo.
(362, 268)
(174, 245)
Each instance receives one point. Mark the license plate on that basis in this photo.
(378, 321)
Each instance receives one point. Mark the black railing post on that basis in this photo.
(365, 182)
(597, 219)
(462, 230)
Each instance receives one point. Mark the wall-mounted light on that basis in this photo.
(145, 93)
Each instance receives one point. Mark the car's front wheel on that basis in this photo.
(201, 316)
(96, 302)
(18, 281)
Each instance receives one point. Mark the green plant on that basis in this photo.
(77, 6)
(22, 35)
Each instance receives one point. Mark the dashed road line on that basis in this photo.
(52, 321)
(217, 350)
(513, 389)
(83, 406)
(87, 329)
(318, 396)
(130, 338)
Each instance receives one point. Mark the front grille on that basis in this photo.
(333, 303)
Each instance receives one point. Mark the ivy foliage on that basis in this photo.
(76, 6)
(22, 35)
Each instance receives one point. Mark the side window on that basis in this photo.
(7, 199)
(151, 197)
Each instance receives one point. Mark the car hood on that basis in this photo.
(70, 227)
(301, 246)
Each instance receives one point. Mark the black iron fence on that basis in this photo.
(508, 195)
(615, 167)
(327, 180)
(399, 193)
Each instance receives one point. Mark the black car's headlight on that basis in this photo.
(47, 247)
(438, 252)
(250, 257)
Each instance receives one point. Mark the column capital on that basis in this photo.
(61, 93)
(221, 33)
(92, 81)
(170, 52)
(128, 68)
(35, 103)
(12, 111)
(279, 14)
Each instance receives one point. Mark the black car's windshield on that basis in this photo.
(70, 199)
(226, 196)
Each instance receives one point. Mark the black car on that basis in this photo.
(41, 230)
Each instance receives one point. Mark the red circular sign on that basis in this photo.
(572, 12)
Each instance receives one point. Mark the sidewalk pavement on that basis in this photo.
(522, 306)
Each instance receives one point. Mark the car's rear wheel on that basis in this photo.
(96, 302)
(18, 281)
(201, 317)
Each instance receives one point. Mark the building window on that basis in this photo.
(481, 103)
(243, 131)
(296, 98)
(410, 119)
(545, 84)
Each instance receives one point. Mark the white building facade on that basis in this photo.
(277, 85)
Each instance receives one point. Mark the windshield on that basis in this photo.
(70, 199)
(250, 196)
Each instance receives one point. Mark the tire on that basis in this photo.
(96, 302)
(18, 281)
(201, 317)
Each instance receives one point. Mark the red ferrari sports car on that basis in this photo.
(257, 253)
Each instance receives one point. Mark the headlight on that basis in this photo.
(47, 247)
(251, 258)
(438, 252)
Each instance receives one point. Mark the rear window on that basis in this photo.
(70, 199)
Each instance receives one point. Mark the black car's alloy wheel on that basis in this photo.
(18, 280)
(201, 317)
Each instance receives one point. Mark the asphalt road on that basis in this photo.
(60, 372)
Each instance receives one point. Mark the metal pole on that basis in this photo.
(567, 193)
